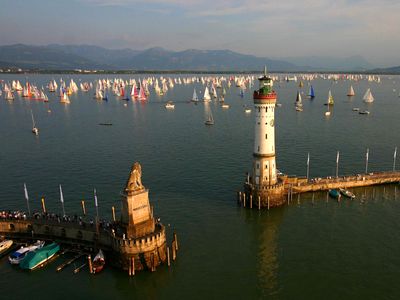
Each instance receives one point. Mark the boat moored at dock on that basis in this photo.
(17, 256)
(98, 262)
(5, 245)
(347, 193)
(38, 257)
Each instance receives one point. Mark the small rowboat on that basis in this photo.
(98, 262)
(347, 193)
(334, 194)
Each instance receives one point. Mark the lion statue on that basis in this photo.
(134, 182)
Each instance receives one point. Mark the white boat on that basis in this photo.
(225, 105)
(298, 101)
(9, 96)
(327, 113)
(5, 245)
(363, 112)
(206, 97)
(169, 105)
(247, 110)
(298, 108)
(368, 98)
(194, 97)
(330, 99)
(35, 130)
(210, 119)
(351, 92)
(347, 193)
(356, 108)
(16, 257)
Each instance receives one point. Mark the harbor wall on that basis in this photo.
(148, 251)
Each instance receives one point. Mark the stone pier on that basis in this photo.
(136, 235)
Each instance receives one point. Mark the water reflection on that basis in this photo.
(268, 250)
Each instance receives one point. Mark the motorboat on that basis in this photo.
(5, 245)
(347, 193)
(17, 256)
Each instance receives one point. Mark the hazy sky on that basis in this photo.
(288, 28)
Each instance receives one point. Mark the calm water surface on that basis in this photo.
(314, 248)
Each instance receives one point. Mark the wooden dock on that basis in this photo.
(68, 262)
(352, 181)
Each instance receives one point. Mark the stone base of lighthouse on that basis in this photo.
(264, 196)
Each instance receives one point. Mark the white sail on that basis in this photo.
(298, 102)
(195, 98)
(206, 96)
(351, 91)
(368, 96)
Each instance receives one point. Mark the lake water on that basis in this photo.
(313, 248)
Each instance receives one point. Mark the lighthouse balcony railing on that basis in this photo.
(266, 187)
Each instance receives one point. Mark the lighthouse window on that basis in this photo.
(266, 136)
(259, 109)
(266, 109)
(258, 148)
(266, 166)
(258, 166)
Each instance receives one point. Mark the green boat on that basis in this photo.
(36, 258)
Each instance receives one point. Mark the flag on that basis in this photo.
(61, 195)
(308, 159)
(95, 198)
(26, 192)
(367, 154)
(395, 153)
(337, 157)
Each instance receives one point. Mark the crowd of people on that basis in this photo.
(52, 217)
(13, 215)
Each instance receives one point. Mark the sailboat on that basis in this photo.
(35, 130)
(206, 97)
(368, 98)
(311, 93)
(210, 119)
(64, 96)
(330, 99)
(194, 97)
(9, 96)
(351, 92)
(298, 101)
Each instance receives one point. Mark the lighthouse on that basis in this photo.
(264, 186)
(264, 164)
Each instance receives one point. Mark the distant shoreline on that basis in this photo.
(133, 72)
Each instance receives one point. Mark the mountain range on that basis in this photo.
(70, 57)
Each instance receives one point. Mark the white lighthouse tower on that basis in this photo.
(264, 165)
(264, 186)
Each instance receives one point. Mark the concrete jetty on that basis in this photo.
(262, 197)
(136, 239)
(302, 185)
